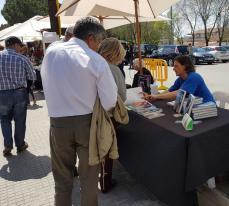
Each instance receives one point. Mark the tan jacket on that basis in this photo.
(102, 133)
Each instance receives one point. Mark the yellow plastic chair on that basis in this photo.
(159, 70)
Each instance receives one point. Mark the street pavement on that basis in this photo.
(26, 178)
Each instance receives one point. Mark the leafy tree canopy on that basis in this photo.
(18, 11)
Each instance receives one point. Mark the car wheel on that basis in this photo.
(170, 62)
(224, 61)
(209, 62)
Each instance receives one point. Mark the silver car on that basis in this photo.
(220, 53)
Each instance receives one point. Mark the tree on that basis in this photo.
(178, 27)
(151, 32)
(223, 21)
(209, 11)
(189, 11)
(18, 11)
(3, 26)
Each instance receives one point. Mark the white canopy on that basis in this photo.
(30, 30)
(147, 8)
(8, 29)
(108, 22)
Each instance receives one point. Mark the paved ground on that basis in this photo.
(26, 179)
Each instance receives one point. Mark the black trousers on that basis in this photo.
(106, 170)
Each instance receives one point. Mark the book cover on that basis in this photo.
(144, 82)
(181, 94)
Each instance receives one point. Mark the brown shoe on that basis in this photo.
(22, 148)
(7, 152)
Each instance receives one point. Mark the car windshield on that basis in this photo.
(166, 49)
(200, 50)
(208, 49)
(220, 49)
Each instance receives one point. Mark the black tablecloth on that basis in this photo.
(170, 161)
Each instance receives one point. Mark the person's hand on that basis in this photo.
(150, 98)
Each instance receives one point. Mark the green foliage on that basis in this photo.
(18, 11)
(151, 32)
(3, 26)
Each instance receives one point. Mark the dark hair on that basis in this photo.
(12, 40)
(88, 26)
(186, 62)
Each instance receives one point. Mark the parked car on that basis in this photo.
(146, 49)
(201, 56)
(220, 53)
(169, 52)
(227, 48)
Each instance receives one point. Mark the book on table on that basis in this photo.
(179, 101)
(195, 107)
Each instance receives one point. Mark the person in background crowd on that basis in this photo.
(188, 80)
(1, 47)
(131, 55)
(73, 73)
(112, 50)
(190, 50)
(38, 54)
(68, 34)
(15, 70)
(144, 72)
(121, 67)
(24, 51)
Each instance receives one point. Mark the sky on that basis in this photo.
(2, 20)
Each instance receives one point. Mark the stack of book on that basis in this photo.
(190, 102)
(194, 106)
(204, 110)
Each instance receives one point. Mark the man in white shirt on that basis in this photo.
(72, 75)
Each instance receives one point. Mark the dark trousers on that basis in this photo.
(30, 90)
(69, 136)
(106, 175)
(13, 106)
(106, 169)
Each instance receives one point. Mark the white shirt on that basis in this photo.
(72, 75)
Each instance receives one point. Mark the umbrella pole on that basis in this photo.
(100, 19)
(137, 26)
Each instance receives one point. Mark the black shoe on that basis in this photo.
(75, 173)
(108, 187)
(7, 152)
(22, 148)
(113, 183)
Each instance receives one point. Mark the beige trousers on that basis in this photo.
(69, 136)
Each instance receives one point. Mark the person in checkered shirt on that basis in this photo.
(15, 70)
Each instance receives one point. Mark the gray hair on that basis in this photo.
(88, 26)
(136, 62)
(69, 30)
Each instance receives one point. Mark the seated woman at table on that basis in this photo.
(144, 72)
(188, 80)
(113, 52)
